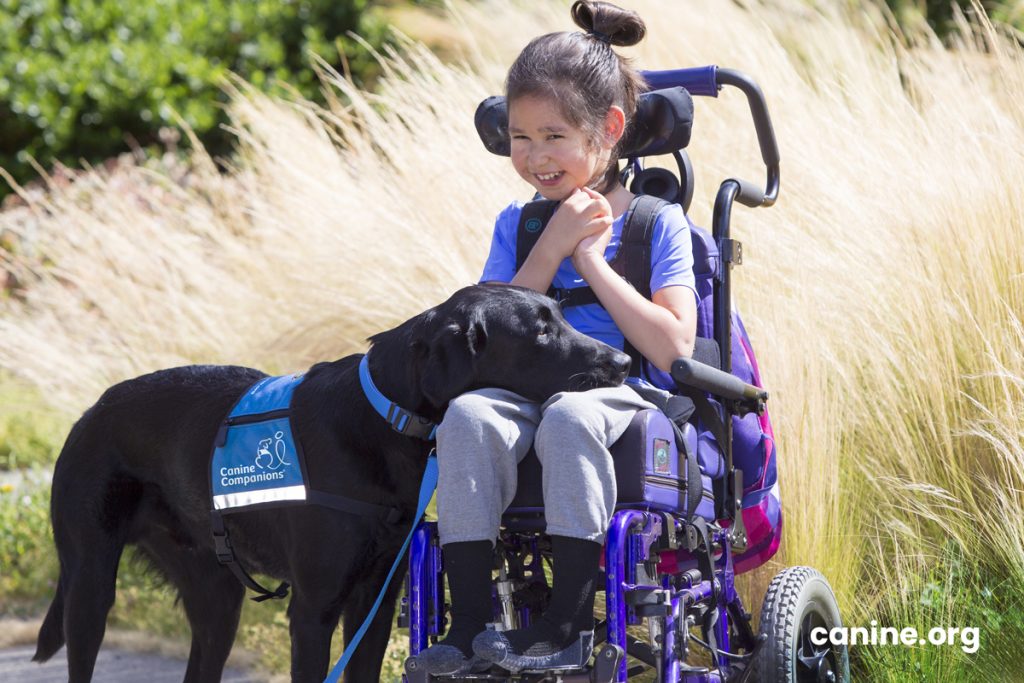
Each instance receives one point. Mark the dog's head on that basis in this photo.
(505, 337)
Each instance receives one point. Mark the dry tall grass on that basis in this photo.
(884, 293)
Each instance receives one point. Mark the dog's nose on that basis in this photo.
(620, 363)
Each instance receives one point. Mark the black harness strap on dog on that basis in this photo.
(632, 260)
(226, 556)
(389, 515)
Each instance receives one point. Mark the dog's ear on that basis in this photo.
(476, 336)
(448, 361)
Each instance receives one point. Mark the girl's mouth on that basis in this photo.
(549, 179)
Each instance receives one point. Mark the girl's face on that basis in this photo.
(551, 154)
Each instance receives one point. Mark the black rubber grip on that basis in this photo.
(749, 194)
(688, 372)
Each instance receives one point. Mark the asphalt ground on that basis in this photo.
(112, 666)
(124, 657)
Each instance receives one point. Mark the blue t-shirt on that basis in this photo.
(671, 265)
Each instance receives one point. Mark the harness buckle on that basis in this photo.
(408, 424)
(398, 418)
(222, 546)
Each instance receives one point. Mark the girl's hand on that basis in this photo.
(590, 250)
(584, 213)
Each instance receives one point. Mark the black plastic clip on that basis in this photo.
(650, 602)
(732, 251)
(408, 424)
(221, 542)
(668, 539)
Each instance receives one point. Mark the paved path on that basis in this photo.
(112, 666)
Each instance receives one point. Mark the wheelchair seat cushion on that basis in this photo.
(650, 473)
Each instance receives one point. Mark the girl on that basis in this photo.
(571, 98)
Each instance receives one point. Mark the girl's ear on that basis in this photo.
(614, 124)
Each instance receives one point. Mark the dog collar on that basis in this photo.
(400, 419)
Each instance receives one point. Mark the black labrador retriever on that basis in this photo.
(135, 470)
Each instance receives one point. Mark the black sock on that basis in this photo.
(467, 565)
(571, 611)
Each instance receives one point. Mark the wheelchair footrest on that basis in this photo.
(606, 666)
(605, 669)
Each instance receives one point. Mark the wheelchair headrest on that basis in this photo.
(664, 119)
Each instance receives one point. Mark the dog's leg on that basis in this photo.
(212, 598)
(365, 664)
(313, 615)
(91, 512)
(88, 597)
(213, 603)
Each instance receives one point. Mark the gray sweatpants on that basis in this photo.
(486, 433)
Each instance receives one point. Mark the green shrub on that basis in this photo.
(30, 433)
(78, 78)
(959, 591)
(940, 13)
(28, 561)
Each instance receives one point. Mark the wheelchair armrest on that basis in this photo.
(691, 374)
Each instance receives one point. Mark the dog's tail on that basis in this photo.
(51, 633)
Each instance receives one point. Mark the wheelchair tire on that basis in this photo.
(799, 600)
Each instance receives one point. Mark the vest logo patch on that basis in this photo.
(661, 460)
(271, 461)
(534, 225)
(257, 461)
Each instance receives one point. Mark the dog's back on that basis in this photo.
(142, 437)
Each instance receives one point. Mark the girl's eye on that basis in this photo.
(554, 136)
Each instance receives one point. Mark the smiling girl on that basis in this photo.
(571, 99)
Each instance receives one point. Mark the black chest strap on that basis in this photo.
(532, 221)
(632, 260)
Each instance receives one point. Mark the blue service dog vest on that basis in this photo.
(256, 458)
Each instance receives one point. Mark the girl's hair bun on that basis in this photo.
(605, 21)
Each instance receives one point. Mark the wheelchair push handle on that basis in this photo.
(690, 373)
(706, 81)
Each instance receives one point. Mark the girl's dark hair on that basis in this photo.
(579, 71)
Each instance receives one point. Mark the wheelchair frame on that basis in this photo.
(674, 602)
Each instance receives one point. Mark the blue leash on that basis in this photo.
(427, 487)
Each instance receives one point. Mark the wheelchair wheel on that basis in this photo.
(799, 600)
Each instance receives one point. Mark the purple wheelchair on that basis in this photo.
(698, 502)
